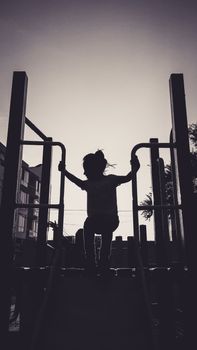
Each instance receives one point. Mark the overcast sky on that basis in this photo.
(98, 78)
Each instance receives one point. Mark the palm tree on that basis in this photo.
(192, 130)
(147, 213)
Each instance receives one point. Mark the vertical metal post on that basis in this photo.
(61, 198)
(160, 251)
(131, 252)
(144, 246)
(139, 264)
(189, 218)
(166, 309)
(44, 198)
(10, 186)
(164, 285)
(135, 205)
(177, 234)
(119, 251)
(164, 213)
(183, 166)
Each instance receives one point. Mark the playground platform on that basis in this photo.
(91, 312)
(63, 308)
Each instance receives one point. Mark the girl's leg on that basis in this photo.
(110, 224)
(105, 251)
(89, 246)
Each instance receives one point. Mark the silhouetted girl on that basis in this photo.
(101, 205)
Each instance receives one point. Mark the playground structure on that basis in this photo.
(39, 282)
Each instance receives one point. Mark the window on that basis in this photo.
(37, 187)
(25, 177)
(35, 226)
(195, 185)
(24, 197)
(36, 210)
(21, 223)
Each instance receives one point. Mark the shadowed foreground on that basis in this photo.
(95, 314)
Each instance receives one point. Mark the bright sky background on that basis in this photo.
(98, 78)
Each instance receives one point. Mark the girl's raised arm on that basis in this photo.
(126, 178)
(123, 179)
(70, 176)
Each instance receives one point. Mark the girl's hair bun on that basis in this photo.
(95, 164)
(99, 154)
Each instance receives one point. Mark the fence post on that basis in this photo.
(188, 218)
(143, 243)
(183, 166)
(164, 212)
(13, 161)
(177, 234)
(44, 199)
(131, 252)
(160, 250)
(119, 251)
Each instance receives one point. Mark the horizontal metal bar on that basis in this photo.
(32, 205)
(42, 143)
(35, 129)
(162, 206)
(34, 143)
(152, 145)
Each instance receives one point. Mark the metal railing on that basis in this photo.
(136, 209)
(45, 294)
(59, 206)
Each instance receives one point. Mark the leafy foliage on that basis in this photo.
(147, 213)
(192, 131)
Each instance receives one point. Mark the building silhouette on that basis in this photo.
(26, 220)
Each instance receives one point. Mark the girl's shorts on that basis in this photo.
(102, 223)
